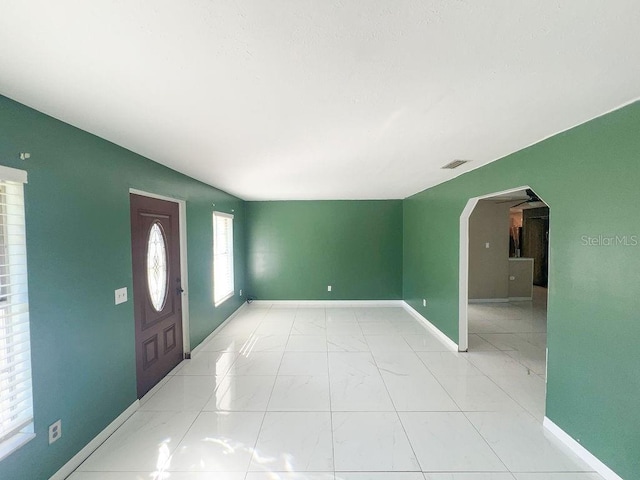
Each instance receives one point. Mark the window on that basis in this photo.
(222, 257)
(157, 281)
(16, 404)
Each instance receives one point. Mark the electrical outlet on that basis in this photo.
(241, 292)
(424, 302)
(512, 278)
(486, 245)
(55, 431)
(121, 295)
(328, 288)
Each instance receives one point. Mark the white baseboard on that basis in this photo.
(217, 329)
(98, 440)
(329, 303)
(488, 300)
(435, 330)
(500, 300)
(579, 450)
(362, 303)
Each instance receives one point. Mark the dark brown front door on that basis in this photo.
(157, 298)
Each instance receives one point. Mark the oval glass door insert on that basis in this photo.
(157, 266)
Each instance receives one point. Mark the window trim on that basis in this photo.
(16, 441)
(227, 295)
(25, 434)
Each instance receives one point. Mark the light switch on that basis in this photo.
(486, 245)
(121, 295)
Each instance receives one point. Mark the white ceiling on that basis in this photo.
(324, 99)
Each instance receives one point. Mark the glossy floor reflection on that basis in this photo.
(340, 394)
(507, 339)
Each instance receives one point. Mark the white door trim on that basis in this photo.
(182, 213)
(463, 275)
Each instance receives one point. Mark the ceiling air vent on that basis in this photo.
(455, 164)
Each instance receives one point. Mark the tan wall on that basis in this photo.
(489, 267)
(521, 271)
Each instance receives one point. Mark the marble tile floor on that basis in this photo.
(337, 394)
(516, 329)
(506, 339)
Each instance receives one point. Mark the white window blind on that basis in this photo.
(222, 257)
(16, 405)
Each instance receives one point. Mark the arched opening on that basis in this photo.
(504, 256)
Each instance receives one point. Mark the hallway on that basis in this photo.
(343, 394)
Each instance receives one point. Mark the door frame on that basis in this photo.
(463, 275)
(184, 277)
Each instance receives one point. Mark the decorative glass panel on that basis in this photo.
(157, 266)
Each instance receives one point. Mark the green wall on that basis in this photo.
(79, 252)
(78, 240)
(590, 178)
(295, 249)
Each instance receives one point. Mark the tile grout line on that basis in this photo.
(525, 409)
(513, 349)
(333, 440)
(266, 408)
(168, 461)
(404, 430)
(331, 400)
(438, 381)
(248, 473)
(263, 413)
(486, 441)
(529, 370)
(473, 425)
